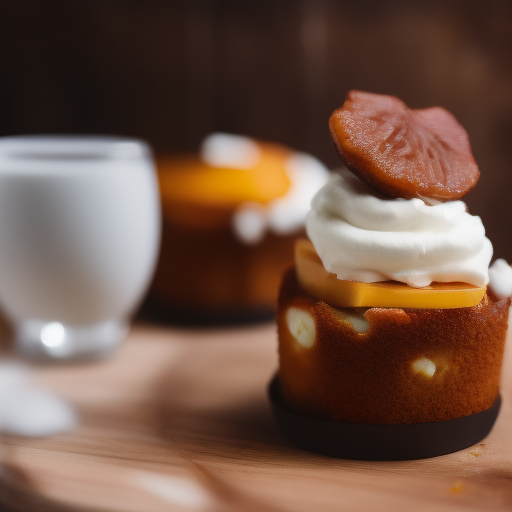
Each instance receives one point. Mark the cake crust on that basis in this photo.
(371, 377)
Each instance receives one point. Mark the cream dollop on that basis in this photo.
(500, 279)
(363, 236)
(231, 151)
(286, 214)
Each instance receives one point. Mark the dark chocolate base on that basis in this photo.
(358, 441)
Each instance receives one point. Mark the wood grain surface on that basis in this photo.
(179, 420)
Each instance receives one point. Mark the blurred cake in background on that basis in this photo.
(230, 218)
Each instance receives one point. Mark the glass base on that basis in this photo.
(53, 340)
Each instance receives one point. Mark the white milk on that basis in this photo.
(79, 233)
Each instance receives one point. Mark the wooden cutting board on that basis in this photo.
(179, 420)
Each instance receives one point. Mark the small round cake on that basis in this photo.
(388, 365)
(230, 218)
(391, 324)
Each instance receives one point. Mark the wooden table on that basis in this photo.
(179, 420)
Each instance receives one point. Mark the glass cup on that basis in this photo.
(79, 236)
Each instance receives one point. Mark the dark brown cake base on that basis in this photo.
(205, 275)
(359, 441)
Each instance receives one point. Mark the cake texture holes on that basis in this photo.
(301, 326)
(424, 367)
(356, 320)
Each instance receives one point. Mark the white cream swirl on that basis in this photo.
(363, 236)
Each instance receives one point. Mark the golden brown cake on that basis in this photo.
(383, 375)
(230, 218)
(386, 321)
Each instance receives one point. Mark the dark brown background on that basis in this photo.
(171, 72)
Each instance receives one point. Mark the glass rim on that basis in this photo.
(72, 147)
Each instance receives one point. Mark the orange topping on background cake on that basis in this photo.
(190, 180)
(257, 187)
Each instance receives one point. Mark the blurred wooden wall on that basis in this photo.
(172, 71)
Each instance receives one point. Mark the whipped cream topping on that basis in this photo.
(361, 235)
(500, 279)
(229, 151)
(286, 214)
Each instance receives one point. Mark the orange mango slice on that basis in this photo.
(314, 279)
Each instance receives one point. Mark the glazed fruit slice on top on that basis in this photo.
(402, 152)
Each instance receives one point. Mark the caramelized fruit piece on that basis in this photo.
(403, 152)
(314, 279)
